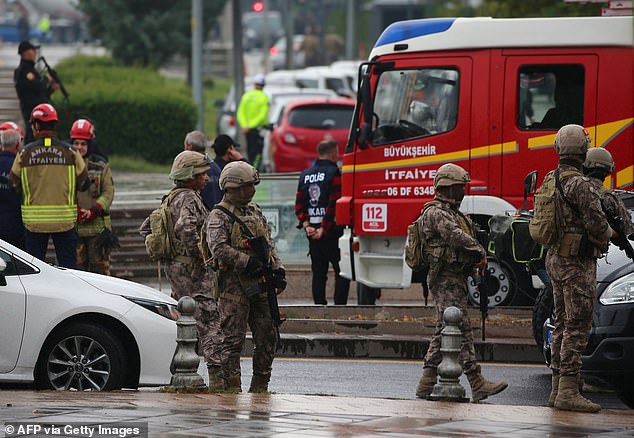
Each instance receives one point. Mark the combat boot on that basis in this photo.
(426, 382)
(234, 384)
(481, 388)
(569, 399)
(259, 384)
(217, 381)
(554, 390)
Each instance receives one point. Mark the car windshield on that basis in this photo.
(321, 117)
(415, 103)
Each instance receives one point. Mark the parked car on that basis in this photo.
(67, 329)
(303, 124)
(336, 80)
(609, 355)
(278, 53)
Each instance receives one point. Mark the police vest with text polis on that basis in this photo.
(315, 184)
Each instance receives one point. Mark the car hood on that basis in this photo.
(118, 286)
(615, 265)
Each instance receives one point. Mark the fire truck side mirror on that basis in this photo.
(530, 183)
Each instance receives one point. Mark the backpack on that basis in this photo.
(160, 243)
(415, 245)
(545, 226)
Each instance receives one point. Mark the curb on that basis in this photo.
(320, 345)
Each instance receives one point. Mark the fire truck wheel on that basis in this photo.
(501, 285)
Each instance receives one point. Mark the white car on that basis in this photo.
(67, 329)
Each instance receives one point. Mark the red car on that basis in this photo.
(302, 125)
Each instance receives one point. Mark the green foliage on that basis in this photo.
(217, 90)
(123, 163)
(136, 112)
(146, 32)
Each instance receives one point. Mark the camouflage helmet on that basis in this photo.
(188, 164)
(599, 158)
(238, 173)
(451, 174)
(572, 140)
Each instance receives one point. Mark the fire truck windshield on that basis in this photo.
(415, 103)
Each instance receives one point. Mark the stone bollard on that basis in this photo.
(185, 361)
(448, 387)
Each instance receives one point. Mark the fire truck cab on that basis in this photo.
(487, 94)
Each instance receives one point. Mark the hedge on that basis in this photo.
(136, 111)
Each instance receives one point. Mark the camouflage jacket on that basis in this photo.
(450, 237)
(228, 249)
(612, 203)
(188, 215)
(100, 195)
(582, 211)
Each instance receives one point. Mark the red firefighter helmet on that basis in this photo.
(44, 112)
(10, 125)
(83, 129)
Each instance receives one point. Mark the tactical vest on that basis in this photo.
(314, 183)
(48, 180)
(98, 170)
(436, 249)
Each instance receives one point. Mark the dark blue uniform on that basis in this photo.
(32, 89)
(11, 228)
(317, 193)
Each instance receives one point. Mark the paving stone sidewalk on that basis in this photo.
(277, 415)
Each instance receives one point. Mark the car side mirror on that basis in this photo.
(530, 185)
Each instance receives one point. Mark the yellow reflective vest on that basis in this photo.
(48, 172)
(253, 109)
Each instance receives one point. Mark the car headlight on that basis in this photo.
(620, 291)
(166, 310)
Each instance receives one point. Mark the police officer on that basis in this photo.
(598, 165)
(452, 252)
(318, 189)
(252, 115)
(571, 264)
(31, 87)
(48, 172)
(93, 219)
(241, 300)
(11, 228)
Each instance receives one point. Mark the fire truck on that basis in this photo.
(487, 94)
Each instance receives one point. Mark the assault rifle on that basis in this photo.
(481, 281)
(53, 74)
(617, 224)
(272, 279)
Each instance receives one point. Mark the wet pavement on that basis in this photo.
(273, 415)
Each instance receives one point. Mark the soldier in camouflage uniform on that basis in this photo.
(240, 299)
(185, 271)
(571, 263)
(598, 165)
(452, 252)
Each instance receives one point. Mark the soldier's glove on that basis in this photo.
(255, 268)
(279, 278)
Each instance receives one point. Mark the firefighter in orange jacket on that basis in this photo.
(48, 173)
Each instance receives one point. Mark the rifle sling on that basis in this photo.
(245, 228)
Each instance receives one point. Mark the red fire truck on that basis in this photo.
(487, 94)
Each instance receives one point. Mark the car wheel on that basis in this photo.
(501, 285)
(82, 357)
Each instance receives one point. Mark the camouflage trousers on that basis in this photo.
(90, 258)
(574, 287)
(450, 289)
(236, 311)
(206, 313)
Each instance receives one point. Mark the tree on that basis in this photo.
(146, 32)
(513, 8)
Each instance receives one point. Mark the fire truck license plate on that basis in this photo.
(374, 217)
